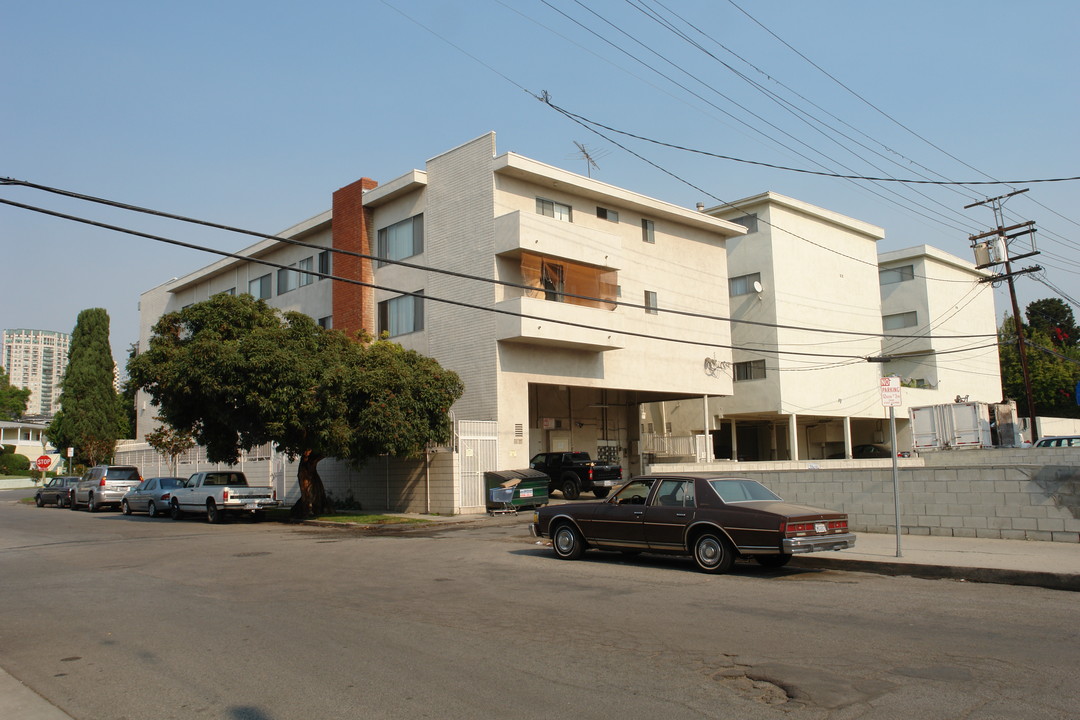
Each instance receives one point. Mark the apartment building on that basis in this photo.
(812, 300)
(36, 360)
(564, 303)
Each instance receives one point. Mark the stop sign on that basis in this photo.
(43, 462)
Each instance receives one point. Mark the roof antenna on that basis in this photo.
(589, 162)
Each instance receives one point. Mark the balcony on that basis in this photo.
(525, 231)
(539, 328)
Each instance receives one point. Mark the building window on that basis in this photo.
(744, 284)
(324, 263)
(750, 370)
(402, 315)
(560, 281)
(305, 266)
(230, 291)
(648, 231)
(554, 209)
(259, 288)
(287, 280)
(888, 276)
(747, 221)
(650, 302)
(605, 214)
(402, 239)
(900, 320)
(326, 322)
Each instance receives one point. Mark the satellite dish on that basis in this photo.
(757, 286)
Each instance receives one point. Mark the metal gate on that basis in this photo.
(478, 448)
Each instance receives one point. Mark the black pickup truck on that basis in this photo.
(575, 472)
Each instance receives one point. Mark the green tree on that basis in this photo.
(129, 418)
(88, 419)
(170, 443)
(1055, 318)
(237, 374)
(12, 399)
(1054, 372)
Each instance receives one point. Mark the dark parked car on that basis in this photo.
(870, 451)
(56, 491)
(151, 496)
(712, 517)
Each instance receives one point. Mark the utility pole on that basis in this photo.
(994, 248)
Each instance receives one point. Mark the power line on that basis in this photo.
(351, 281)
(416, 266)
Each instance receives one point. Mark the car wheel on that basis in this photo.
(213, 515)
(174, 510)
(567, 542)
(570, 487)
(60, 501)
(772, 561)
(713, 554)
(601, 493)
(91, 505)
(125, 508)
(150, 509)
(38, 501)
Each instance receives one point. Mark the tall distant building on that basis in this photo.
(36, 359)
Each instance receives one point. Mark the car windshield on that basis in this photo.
(122, 474)
(735, 490)
(171, 482)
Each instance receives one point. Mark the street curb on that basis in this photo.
(999, 576)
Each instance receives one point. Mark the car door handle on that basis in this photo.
(639, 513)
(680, 514)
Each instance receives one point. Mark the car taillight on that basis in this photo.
(225, 495)
(809, 527)
(165, 496)
(274, 495)
(101, 483)
(590, 473)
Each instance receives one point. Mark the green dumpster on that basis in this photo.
(509, 490)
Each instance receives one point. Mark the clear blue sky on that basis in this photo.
(252, 113)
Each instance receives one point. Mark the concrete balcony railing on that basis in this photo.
(592, 329)
(524, 231)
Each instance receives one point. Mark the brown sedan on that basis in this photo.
(713, 518)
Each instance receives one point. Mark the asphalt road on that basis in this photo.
(114, 617)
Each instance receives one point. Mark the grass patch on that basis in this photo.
(373, 519)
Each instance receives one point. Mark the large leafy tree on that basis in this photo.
(12, 399)
(1054, 317)
(89, 418)
(237, 373)
(1054, 371)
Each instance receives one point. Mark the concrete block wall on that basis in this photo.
(1019, 502)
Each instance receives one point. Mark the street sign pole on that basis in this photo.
(890, 398)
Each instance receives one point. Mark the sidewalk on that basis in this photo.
(1010, 562)
(18, 702)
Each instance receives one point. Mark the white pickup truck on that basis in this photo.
(219, 493)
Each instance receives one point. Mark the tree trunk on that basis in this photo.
(312, 500)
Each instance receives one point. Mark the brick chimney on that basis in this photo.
(353, 305)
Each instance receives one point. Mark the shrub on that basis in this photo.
(14, 464)
(7, 450)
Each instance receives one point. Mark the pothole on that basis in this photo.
(756, 688)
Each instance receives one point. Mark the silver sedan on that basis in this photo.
(150, 496)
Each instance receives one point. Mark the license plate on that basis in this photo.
(820, 527)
